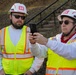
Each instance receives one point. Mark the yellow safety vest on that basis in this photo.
(16, 59)
(58, 65)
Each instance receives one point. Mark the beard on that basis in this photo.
(16, 26)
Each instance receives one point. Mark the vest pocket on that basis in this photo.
(8, 68)
(24, 65)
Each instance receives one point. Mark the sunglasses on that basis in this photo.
(66, 22)
(18, 16)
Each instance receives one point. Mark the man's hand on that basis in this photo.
(39, 38)
(28, 73)
(2, 72)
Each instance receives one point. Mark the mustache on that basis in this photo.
(15, 26)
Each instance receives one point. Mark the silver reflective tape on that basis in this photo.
(61, 72)
(17, 55)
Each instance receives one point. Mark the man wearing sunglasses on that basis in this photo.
(61, 52)
(17, 57)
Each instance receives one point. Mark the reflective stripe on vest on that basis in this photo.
(10, 56)
(61, 71)
(58, 65)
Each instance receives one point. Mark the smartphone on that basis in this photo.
(33, 28)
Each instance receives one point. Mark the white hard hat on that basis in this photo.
(18, 7)
(69, 13)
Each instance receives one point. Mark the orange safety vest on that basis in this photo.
(58, 65)
(16, 59)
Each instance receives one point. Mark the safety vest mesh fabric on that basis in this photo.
(16, 60)
(57, 65)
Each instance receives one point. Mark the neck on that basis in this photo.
(66, 37)
(15, 28)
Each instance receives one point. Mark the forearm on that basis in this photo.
(0, 63)
(0, 60)
(38, 50)
(36, 64)
(35, 49)
(0, 57)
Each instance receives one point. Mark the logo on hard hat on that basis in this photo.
(21, 8)
(66, 12)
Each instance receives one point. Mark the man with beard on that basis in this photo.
(16, 57)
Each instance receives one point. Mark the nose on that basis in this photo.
(20, 18)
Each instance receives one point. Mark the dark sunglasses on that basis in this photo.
(18, 16)
(65, 22)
